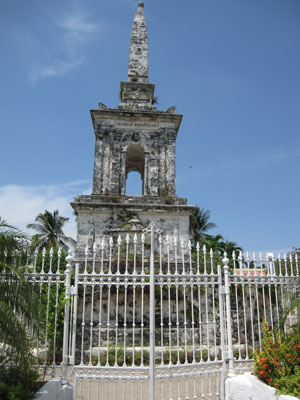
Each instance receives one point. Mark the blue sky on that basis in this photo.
(230, 67)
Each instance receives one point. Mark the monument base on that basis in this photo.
(101, 217)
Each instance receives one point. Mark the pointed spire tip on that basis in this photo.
(141, 4)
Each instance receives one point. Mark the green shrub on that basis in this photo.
(278, 362)
(16, 386)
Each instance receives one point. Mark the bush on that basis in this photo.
(278, 362)
(15, 386)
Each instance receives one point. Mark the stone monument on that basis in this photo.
(135, 136)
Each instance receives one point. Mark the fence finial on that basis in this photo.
(69, 258)
(225, 259)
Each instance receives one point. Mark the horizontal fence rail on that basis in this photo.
(147, 316)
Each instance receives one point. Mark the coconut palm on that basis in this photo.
(50, 233)
(230, 247)
(11, 239)
(199, 224)
(213, 242)
(18, 302)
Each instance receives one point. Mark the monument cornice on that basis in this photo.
(138, 116)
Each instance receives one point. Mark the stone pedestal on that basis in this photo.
(100, 217)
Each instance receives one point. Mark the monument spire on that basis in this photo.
(137, 93)
(138, 50)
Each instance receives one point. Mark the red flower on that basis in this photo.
(288, 355)
(261, 373)
(270, 380)
(265, 366)
(289, 360)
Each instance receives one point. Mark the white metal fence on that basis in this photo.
(149, 317)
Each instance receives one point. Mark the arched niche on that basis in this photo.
(135, 161)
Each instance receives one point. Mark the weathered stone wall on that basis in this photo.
(156, 135)
(97, 220)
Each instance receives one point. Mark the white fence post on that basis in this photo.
(74, 324)
(152, 317)
(228, 315)
(222, 322)
(64, 371)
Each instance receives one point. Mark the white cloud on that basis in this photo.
(77, 28)
(60, 68)
(19, 205)
(75, 32)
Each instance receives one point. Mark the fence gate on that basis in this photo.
(147, 317)
(146, 322)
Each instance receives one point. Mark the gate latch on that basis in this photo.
(74, 290)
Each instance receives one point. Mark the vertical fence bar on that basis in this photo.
(221, 293)
(152, 317)
(74, 325)
(64, 371)
(228, 315)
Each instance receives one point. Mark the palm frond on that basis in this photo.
(49, 230)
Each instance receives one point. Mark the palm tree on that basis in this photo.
(230, 247)
(18, 303)
(218, 245)
(199, 224)
(50, 234)
(11, 239)
(213, 242)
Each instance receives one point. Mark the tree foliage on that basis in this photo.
(49, 228)
(18, 303)
(200, 224)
